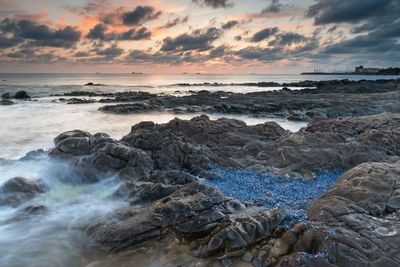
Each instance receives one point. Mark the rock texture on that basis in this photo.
(354, 224)
(330, 99)
(161, 168)
(19, 190)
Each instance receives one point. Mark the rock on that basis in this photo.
(355, 223)
(162, 166)
(75, 101)
(21, 95)
(6, 96)
(197, 144)
(19, 190)
(93, 84)
(330, 99)
(6, 102)
(34, 155)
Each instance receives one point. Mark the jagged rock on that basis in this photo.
(197, 144)
(19, 190)
(330, 99)
(356, 223)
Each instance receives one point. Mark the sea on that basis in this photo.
(55, 238)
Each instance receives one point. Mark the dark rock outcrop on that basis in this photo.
(356, 223)
(330, 99)
(6, 102)
(161, 168)
(19, 190)
(22, 95)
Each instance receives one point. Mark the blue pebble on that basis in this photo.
(272, 191)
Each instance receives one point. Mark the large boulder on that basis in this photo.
(356, 223)
(19, 190)
(22, 95)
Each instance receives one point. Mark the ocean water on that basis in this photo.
(56, 237)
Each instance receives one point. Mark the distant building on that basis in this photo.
(363, 70)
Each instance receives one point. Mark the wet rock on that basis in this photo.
(197, 144)
(355, 223)
(22, 95)
(34, 155)
(6, 96)
(328, 99)
(93, 84)
(75, 101)
(6, 102)
(19, 190)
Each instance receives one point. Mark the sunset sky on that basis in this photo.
(212, 36)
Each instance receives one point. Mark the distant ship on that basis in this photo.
(137, 73)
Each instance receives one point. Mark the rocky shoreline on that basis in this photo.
(330, 99)
(164, 171)
(204, 192)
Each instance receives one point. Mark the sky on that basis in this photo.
(208, 36)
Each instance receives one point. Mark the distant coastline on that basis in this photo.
(359, 71)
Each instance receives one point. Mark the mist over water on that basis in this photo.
(53, 235)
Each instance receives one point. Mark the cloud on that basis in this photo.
(230, 24)
(110, 52)
(339, 11)
(9, 42)
(175, 22)
(29, 55)
(264, 34)
(140, 15)
(99, 32)
(287, 39)
(274, 7)
(41, 35)
(81, 54)
(198, 40)
(214, 3)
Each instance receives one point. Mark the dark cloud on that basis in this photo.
(81, 54)
(110, 52)
(9, 42)
(41, 35)
(274, 7)
(287, 38)
(260, 54)
(214, 3)
(339, 11)
(198, 40)
(30, 55)
(138, 56)
(230, 24)
(175, 22)
(22, 53)
(219, 51)
(264, 34)
(99, 32)
(140, 15)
